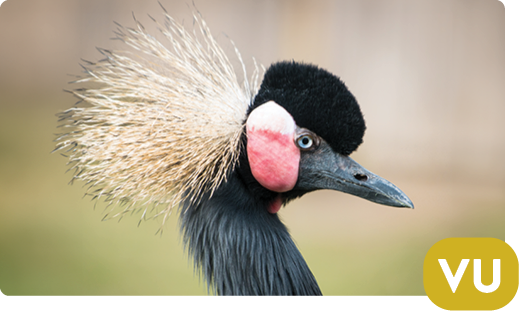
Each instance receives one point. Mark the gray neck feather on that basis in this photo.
(242, 249)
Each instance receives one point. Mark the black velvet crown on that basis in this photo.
(317, 100)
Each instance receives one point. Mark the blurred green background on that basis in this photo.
(429, 76)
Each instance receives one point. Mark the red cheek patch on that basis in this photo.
(274, 163)
(272, 154)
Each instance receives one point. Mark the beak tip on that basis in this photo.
(408, 204)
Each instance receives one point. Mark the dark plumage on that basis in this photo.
(317, 100)
(242, 249)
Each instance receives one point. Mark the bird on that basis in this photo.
(166, 126)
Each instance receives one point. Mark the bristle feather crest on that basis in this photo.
(163, 125)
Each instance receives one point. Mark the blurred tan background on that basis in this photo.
(429, 76)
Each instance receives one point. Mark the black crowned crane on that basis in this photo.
(166, 125)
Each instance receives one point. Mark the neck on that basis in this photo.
(241, 248)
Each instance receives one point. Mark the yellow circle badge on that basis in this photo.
(471, 274)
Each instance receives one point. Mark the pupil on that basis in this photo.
(305, 141)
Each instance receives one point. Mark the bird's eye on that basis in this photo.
(305, 142)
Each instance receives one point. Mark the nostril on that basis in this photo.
(360, 177)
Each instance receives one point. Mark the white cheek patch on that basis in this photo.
(271, 116)
(273, 156)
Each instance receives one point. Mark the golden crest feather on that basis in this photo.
(162, 123)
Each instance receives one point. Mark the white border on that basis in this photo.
(327, 304)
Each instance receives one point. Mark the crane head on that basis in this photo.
(169, 131)
(301, 128)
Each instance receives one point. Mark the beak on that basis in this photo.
(326, 169)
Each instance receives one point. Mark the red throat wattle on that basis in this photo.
(275, 205)
(273, 156)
